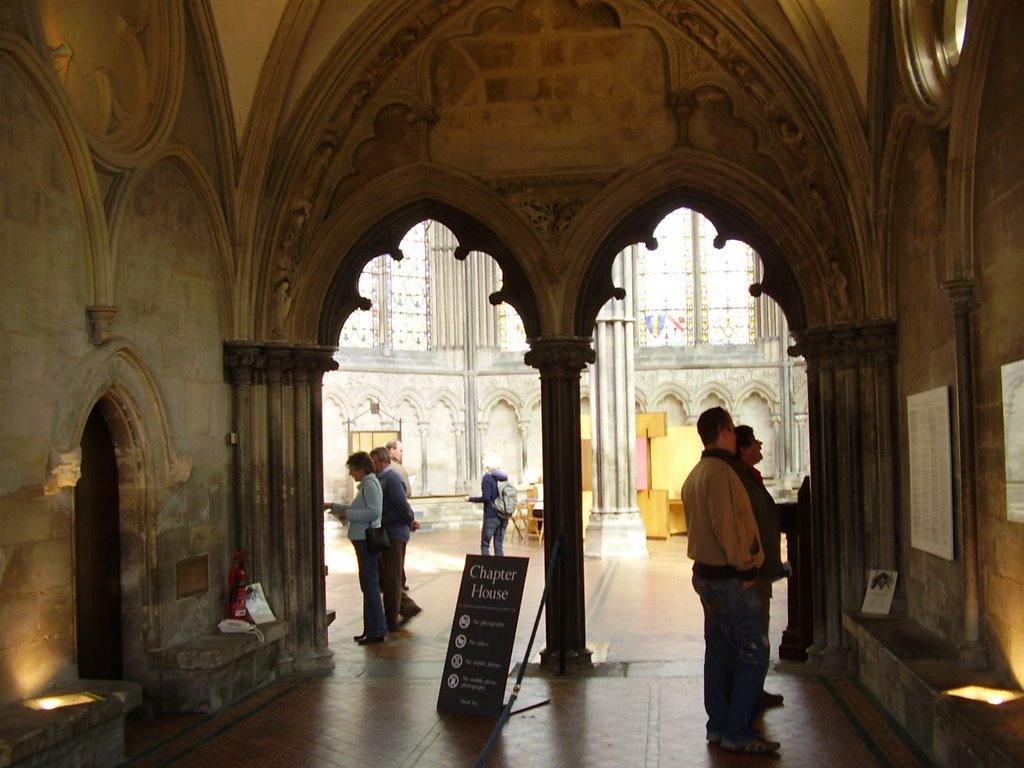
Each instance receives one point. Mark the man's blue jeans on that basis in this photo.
(735, 658)
(494, 527)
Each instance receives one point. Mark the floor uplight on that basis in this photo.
(62, 700)
(983, 693)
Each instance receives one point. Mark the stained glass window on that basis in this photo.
(665, 284)
(403, 316)
(727, 315)
(511, 332)
(401, 296)
(362, 329)
(691, 293)
(408, 293)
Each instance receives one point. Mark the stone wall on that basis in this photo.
(153, 366)
(999, 271)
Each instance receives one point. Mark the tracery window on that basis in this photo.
(403, 319)
(511, 331)
(690, 293)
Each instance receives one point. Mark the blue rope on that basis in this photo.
(506, 711)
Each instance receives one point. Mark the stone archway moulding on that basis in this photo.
(116, 369)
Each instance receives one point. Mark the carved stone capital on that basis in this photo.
(101, 323)
(250, 363)
(242, 361)
(846, 346)
(561, 357)
(961, 295)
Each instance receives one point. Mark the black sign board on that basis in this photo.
(483, 633)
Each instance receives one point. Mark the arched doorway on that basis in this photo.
(98, 555)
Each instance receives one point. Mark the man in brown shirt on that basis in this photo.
(723, 542)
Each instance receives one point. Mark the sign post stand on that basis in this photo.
(483, 633)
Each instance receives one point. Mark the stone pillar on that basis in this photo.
(854, 459)
(278, 500)
(423, 482)
(802, 449)
(961, 296)
(778, 446)
(461, 458)
(615, 529)
(560, 362)
(524, 436)
(242, 363)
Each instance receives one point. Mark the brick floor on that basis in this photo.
(641, 706)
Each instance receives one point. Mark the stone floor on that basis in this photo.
(642, 705)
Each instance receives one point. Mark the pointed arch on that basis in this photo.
(123, 193)
(741, 206)
(77, 158)
(496, 396)
(384, 211)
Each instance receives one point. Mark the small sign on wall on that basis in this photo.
(878, 596)
(931, 472)
(1013, 439)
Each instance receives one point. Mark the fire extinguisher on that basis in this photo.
(237, 582)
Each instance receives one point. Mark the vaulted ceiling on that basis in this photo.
(253, 36)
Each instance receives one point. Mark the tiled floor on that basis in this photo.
(641, 706)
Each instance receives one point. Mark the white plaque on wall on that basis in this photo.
(1013, 438)
(931, 475)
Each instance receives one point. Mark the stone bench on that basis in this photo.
(908, 669)
(210, 671)
(90, 733)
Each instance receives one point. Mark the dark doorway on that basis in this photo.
(98, 555)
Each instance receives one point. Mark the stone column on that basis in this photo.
(852, 421)
(423, 483)
(242, 363)
(615, 529)
(778, 446)
(524, 436)
(278, 500)
(560, 362)
(961, 296)
(309, 595)
(461, 451)
(802, 449)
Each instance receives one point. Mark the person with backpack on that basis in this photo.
(496, 493)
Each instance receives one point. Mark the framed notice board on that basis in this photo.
(931, 472)
(483, 633)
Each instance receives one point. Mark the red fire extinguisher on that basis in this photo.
(237, 582)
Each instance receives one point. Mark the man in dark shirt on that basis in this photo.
(400, 521)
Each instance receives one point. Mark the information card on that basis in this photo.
(483, 633)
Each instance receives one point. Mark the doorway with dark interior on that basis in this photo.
(98, 555)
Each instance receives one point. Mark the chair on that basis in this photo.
(535, 512)
(519, 521)
(535, 524)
